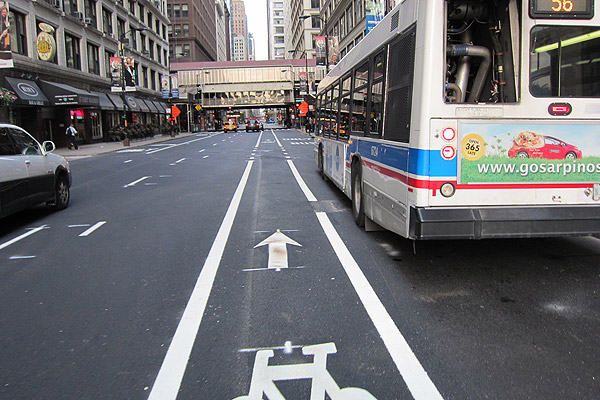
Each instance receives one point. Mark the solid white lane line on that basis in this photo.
(136, 182)
(173, 367)
(20, 257)
(309, 195)
(87, 232)
(420, 385)
(23, 236)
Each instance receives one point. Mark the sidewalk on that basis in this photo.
(89, 150)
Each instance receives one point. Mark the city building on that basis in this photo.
(223, 33)
(346, 20)
(66, 65)
(251, 47)
(302, 26)
(193, 30)
(239, 30)
(276, 29)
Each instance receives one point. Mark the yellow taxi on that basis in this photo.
(230, 125)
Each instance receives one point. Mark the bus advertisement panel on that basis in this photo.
(529, 153)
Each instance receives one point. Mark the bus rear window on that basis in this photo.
(565, 61)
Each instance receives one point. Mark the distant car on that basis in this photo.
(29, 173)
(533, 145)
(254, 125)
(230, 126)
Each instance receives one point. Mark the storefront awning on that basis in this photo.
(105, 103)
(151, 106)
(28, 92)
(60, 94)
(143, 106)
(162, 107)
(117, 101)
(133, 104)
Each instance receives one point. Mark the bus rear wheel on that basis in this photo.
(358, 210)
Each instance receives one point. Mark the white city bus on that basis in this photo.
(469, 119)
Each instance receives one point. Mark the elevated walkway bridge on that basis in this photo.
(209, 91)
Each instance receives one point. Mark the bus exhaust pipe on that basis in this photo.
(462, 50)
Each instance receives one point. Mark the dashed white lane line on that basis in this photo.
(94, 227)
(167, 383)
(136, 182)
(23, 236)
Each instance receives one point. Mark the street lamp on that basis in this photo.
(122, 40)
(303, 17)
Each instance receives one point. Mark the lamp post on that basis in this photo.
(122, 40)
(324, 20)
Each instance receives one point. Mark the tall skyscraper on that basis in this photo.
(239, 30)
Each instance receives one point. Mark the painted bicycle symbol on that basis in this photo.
(264, 377)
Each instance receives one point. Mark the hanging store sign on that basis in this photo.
(45, 42)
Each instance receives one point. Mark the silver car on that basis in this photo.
(30, 173)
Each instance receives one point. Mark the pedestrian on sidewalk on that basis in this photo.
(72, 137)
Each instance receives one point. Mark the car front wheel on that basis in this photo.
(62, 193)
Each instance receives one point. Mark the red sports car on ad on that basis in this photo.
(533, 145)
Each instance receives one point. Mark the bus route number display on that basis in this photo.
(565, 9)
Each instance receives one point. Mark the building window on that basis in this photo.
(145, 77)
(176, 11)
(132, 4)
(18, 37)
(153, 79)
(185, 30)
(72, 52)
(184, 10)
(107, 66)
(70, 7)
(93, 56)
(120, 28)
(107, 21)
(90, 12)
(315, 22)
(151, 49)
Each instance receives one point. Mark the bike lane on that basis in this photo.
(287, 313)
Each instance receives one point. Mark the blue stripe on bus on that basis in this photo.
(414, 161)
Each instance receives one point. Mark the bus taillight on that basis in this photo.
(560, 109)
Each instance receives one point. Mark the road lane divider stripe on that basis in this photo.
(136, 182)
(258, 141)
(89, 231)
(23, 236)
(416, 378)
(277, 139)
(307, 193)
(167, 383)
(171, 146)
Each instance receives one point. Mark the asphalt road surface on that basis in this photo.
(222, 266)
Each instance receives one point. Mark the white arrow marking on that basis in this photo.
(278, 257)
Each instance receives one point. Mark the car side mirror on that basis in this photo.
(48, 146)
